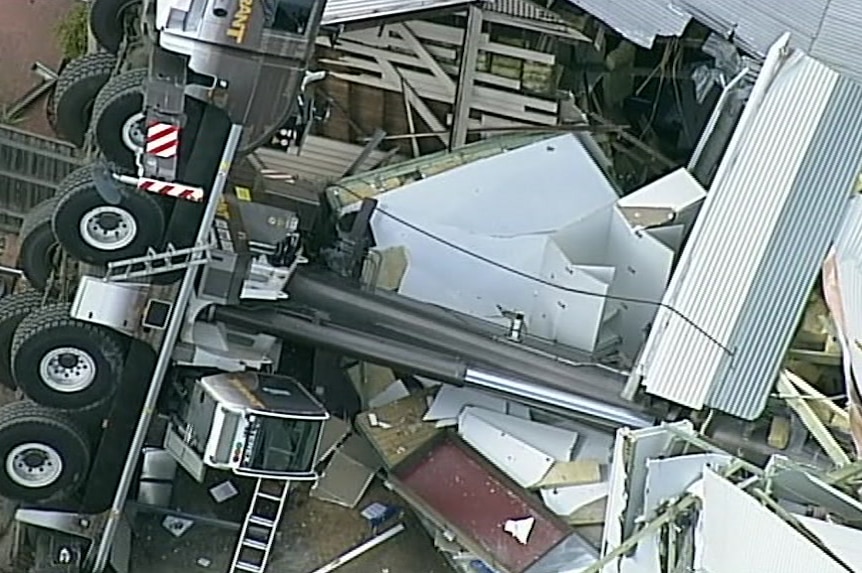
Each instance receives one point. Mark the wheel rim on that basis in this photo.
(108, 228)
(34, 465)
(133, 132)
(67, 369)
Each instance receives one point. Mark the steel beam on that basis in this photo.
(103, 548)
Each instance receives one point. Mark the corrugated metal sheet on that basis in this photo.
(754, 253)
(740, 535)
(322, 159)
(823, 186)
(838, 41)
(349, 11)
(756, 25)
(825, 29)
(639, 22)
(525, 9)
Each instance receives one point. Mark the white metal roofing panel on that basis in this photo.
(524, 462)
(741, 535)
(821, 193)
(640, 21)
(558, 443)
(826, 29)
(346, 11)
(676, 190)
(838, 42)
(627, 481)
(844, 541)
(756, 25)
(745, 273)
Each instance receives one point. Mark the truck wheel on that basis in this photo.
(107, 21)
(118, 119)
(92, 231)
(38, 249)
(77, 87)
(13, 309)
(64, 363)
(44, 455)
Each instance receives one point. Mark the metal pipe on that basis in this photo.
(44, 71)
(201, 519)
(566, 400)
(392, 353)
(360, 549)
(164, 359)
(442, 367)
(368, 308)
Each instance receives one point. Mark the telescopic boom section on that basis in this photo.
(480, 362)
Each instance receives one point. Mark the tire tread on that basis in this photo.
(15, 307)
(82, 69)
(31, 258)
(24, 411)
(57, 315)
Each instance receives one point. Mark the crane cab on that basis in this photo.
(252, 424)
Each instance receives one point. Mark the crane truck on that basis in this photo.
(253, 285)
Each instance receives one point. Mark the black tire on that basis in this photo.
(77, 87)
(94, 353)
(38, 252)
(45, 431)
(120, 100)
(106, 22)
(138, 213)
(13, 309)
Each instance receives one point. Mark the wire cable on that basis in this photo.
(539, 280)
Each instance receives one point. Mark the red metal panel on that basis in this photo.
(478, 502)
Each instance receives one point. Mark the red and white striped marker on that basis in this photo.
(163, 140)
(171, 189)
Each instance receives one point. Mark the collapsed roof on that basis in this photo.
(824, 29)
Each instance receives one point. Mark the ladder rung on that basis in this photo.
(171, 259)
(246, 566)
(262, 521)
(254, 544)
(269, 496)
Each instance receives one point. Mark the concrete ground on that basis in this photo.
(28, 34)
(313, 532)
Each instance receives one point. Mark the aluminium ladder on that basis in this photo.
(257, 535)
(157, 262)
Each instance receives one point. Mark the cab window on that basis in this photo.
(291, 15)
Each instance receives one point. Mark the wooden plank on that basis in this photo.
(591, 514)
(571, 473)
(384, 66)
(820, 433)
(405, 432)
(807, 389)
(455, 36)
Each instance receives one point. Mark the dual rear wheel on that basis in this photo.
(68, 370)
